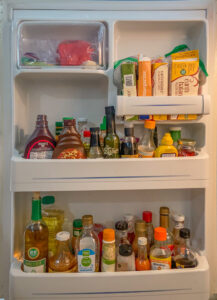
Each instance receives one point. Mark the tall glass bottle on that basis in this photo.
(142, 261)
(95, 149)
(140, 231)
(147, 217)
(165, 223)
(88, 252)
(146, 145)
(111, 141)
(36, 240)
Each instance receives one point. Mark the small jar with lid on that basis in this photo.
(186, 147)
(125, 258)
(140, 231)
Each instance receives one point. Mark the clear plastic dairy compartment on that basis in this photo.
(64, 44)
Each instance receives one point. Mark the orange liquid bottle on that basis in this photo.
(142, 261)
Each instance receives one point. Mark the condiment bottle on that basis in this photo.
(41, 143)
(166, 148)
(36, 240)
(86, 141)
(95, 149)
(82, 125)
(160, 254)
(63, 260)
(140, 231)
(186, 147)
(165, 222)
(69, 145)
(111, 141)
(121, 228)
(130, 219)
(185, 257)
(54, 218)
(88, 253)
(179, 221)
(146, 145)
(176, 135)
(125, 258)
(77, 232)
(59, 128)
(102, 132)
(147, 217)
(129, 148)
(142, 261)
(108, 251)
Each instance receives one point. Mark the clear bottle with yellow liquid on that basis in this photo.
(36, 240)
(166, 148)
(54, 218)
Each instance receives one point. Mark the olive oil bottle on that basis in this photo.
(36, 240)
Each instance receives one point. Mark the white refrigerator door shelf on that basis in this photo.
(101, 174)
(158, 285)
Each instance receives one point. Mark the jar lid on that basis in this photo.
(142, 241)
(164, 210)
(77, 223)
(129, 217)
(187, 142)
(179, 218)
(150, 124)
(160, 234)
(147, 216)
(87, 220)
(125, 250)
(48, 200)
(121, 225)
(140, 225)
(63, 236)
(185, 233)
(108, 235)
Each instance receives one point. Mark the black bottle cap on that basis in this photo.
(184, 233)
(121, 225)
(109, 110)
(129, 131)
(94, 129)
(125, 250)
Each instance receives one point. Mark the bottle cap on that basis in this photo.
(109, 110)
(147, 216)
(142, 241)
(160, 234)
(140, 226)
(77, 223)
(86, 133)
(187, 142)
(179, 218)
(125, 250)
(129, 217)
(167, 140)
(69, 122)
(108, 235)
(36, 207)
(48, 200)
(63, 236)
(87, 220)
(185, 233)
(59, 124)
(103, 124)
(94, 129)
(150, 124)
(164, 210)
(68, 118)
(121, 225)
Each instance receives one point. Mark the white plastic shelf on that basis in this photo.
(153, 105)
(105, 174)
(156, 285)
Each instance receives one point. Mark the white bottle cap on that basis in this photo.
(179, 218)
(142, 241)
(63, 236)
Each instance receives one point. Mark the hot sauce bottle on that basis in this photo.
(41, 143)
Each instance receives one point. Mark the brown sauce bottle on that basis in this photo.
(69, 145)
(41, 143)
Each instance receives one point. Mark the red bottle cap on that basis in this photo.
(147, 216)
(86, 133)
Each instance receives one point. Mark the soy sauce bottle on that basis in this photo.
(129, 147)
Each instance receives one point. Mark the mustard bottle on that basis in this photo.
(166, 148)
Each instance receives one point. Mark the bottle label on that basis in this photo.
(33, 252)
(111, 151)
(168, 155)
(86, 260)
(160, 263)
(179, 266)
(130, 156)
(36, 266)
(68, 271)
(41, 149)
(71, 153)
(77, 232)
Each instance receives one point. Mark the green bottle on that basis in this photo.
(111, 141)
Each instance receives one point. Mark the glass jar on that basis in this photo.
(186, 147)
